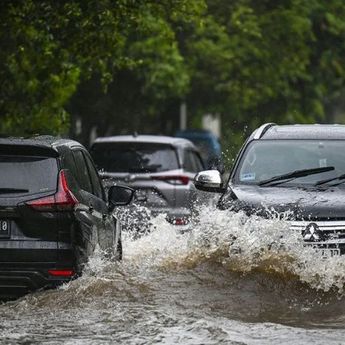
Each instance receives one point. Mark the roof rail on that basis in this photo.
(263, 129)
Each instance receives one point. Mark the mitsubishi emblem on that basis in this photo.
(312, 233)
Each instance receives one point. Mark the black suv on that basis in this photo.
(296, 170)
(53, 212)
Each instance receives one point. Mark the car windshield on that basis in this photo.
(134, 157)
(27, 175)
(266, 159)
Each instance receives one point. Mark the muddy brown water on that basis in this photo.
(200, 287)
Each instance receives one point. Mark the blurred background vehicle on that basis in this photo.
(159, 168)
(208, 145)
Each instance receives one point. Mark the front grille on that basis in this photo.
(321, 232)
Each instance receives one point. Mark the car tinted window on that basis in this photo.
(189, 163)
(265, 159)
(192, 162)
(134, 157)
(27, 174)
(96, 183)
(69, 163)
(83, 177)
(197, 161)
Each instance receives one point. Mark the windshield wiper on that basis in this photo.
(340, 177)
(13, 190)
(294, 174)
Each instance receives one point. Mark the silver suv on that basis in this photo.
(161, 169)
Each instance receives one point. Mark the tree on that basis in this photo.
(263, 61)
(49, 47)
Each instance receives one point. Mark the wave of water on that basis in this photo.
(239, 243)
(231, 278)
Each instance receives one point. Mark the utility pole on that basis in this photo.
(183, 116)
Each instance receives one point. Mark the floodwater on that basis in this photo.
(199, 287)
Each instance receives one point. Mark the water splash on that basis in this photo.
(230, 278)
(239, 243)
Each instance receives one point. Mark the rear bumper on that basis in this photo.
(17, 280)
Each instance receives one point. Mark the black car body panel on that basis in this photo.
(296, 203)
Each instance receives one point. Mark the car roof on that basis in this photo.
(315, 131)
(157, 139)
(43, 142)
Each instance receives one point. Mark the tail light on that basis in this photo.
(67, 273)
(62, 200)
(178, 220)
(173, 179)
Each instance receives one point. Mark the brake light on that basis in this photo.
(61, 273)
(173, 179)
(62, 200)
(179, 221)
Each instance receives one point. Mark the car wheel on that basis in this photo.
(80, 260)
(118, 255)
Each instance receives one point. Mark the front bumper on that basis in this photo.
(323, 235)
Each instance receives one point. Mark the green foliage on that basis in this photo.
(48, 47)
(127, 64)
(269, 60)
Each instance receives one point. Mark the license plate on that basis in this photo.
(329, 253)
(4, 228)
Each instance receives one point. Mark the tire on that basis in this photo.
(119, 252)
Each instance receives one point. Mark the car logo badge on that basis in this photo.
(312, 233)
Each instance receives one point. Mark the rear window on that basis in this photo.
(134, 157)
(27, 174)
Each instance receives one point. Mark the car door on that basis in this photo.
(108, 233)
(91, 207)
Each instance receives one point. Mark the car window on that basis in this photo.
(188, 163)
(264, 159)
(27, 174)
(83, 177)
(68, 162)
(192, 161)
(96, 183)
(134, 157)
(197, 161)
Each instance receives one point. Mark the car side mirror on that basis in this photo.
(209, 181)
(119, 196)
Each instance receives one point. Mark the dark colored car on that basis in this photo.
(160, 169)
(297, 170)
(53, 212)
(208, 145)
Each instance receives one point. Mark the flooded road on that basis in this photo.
(232, 280)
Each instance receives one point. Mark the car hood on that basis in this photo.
(295, 202)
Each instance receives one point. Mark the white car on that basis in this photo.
(161, 169)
